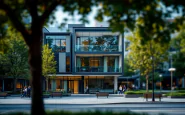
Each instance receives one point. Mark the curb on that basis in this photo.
(149, 102)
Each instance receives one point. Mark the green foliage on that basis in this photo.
(3, 45)
(179, 58)
(175, 94)
(49, 63)
(181, 91)
(156, 77)
(136, 92)
(152, 18)
(15, 61)
(140, 55)
(128, 71)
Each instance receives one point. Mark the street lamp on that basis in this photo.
(161, 81)
(171, 70)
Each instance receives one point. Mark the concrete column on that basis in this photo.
(3, 85)
(65, 85)
(53, 85)
(116, 64)
(68, 44)
(78, 64)
(115, 83)
(138, 83)
(183, 84)
(120, 64)
(62, 62)
(105, 65)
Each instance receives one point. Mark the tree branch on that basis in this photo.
(32, 7)
(48, 11)
(17, 23)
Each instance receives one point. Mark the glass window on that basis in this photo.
(63, 45)
(108, 83)
(67, 64)
(112, 64)
(57, 43)
(51, 43)
(57, 46)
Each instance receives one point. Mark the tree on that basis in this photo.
(155, 16)
(178, 43)
(121, 13)
(128, 71)
(15, 59)
(49, 64)
(140, 56)
(39, 12)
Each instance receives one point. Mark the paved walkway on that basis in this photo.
(88, 99)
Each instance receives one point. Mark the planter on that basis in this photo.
(46, 95)
(66, 94)
(177, 96)
(133, 95)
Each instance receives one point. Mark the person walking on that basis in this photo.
(120, 89)
(87, 90)
(29, 91)
(24, 92)
(124, 88)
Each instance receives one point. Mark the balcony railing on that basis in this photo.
(97, 69)
(97, 48)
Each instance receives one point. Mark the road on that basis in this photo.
(151, 109)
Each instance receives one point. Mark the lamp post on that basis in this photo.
(161, 81)
(171, 70)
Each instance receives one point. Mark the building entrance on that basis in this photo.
(73, 86)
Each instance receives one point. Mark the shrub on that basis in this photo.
(137, 92)
(175, 94)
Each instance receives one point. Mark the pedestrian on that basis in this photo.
(29, 91)
(124, 88)
(24, 91)
(120, 89)
(87, 90)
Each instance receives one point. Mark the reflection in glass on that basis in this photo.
(97, 64)
(97, 43)
(57, 43)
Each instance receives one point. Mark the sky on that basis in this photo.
(60, 15)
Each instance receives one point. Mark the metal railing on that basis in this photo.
(97, 48)
(97, 69)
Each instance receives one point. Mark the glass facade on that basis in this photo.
(97, 64)
(99, 83)
(95, 83)
(97, 43)
(57, 43)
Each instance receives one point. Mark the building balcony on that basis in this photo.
(98, 69)
(97, 48)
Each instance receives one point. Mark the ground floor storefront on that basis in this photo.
(78, 84)
(7, 84)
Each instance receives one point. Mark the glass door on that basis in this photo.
(71, 86)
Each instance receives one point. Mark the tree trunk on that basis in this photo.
(147, 83)
(14, 83)
(47, 84)
(35, 61)
(147, 86)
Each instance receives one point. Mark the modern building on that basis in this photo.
(86, 56)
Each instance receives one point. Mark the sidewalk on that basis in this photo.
(88, 99)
